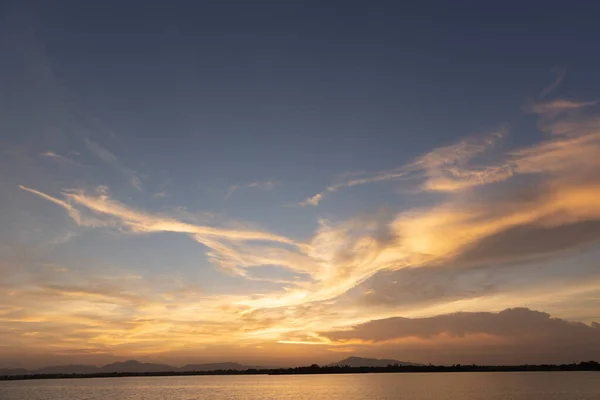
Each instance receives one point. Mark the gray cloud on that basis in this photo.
(510, 336)
(411, 287)
(531, 241)
(514, 322)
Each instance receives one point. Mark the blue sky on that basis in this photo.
(272, 170)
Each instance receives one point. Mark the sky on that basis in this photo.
(285, 183)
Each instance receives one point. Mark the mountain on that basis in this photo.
(136, 366)
(218, 366)
(14, 371)
(370, 362)
(130, 366)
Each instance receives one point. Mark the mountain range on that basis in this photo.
(133, 366)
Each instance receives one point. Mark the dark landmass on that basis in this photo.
(13, 371)
(221, 367)
(128, 367)
(134, 366)
(369, 362)
(67, 369)
(316, 369)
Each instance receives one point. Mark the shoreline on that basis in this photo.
(316, 370)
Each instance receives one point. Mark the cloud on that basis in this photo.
(51, 154)
(314, 200)
(112, 160)
(138, 221)
(384, 176)
(461, 166)
(60, 158)
(266, 185)
(498, 209)
(73, 213)
(230, 191)
(558, 199)
(448, 169)
(101, 292)
(342, 255)
(555, 107)
(444, 169)
(525, 242)
(227, 248)
(521, 334)
(559, 76)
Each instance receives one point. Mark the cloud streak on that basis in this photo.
(461, 166)
(138, 221)
(265, 185)
(110, 159)
(262, 185)
(556, 107)
(559, 76)
(73, 213)
(444, 169)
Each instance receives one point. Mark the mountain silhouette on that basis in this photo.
(370, 362)
(129, 366)
(14, 371)
(136, 366)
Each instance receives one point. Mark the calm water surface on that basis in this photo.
(450, 386)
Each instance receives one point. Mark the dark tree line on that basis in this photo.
(316, 369)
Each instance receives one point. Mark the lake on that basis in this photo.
(415, 386)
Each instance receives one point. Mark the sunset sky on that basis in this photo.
(283, 183)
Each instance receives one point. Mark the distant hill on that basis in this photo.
(136, 366)
(370, 362)
(14, 371)
(130, 366)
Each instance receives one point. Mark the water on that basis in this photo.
(444, 386)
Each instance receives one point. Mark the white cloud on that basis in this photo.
(266, 185)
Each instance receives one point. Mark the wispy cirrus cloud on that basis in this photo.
(462, 166)
(110, 159)
(384, 176)
(51, 154)
(555, 107)
(73, 213)
(341, 256)
(443, 169)
(230, 191)
(264, 185)
(59, 158)
(559, 76)
(138, 221)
